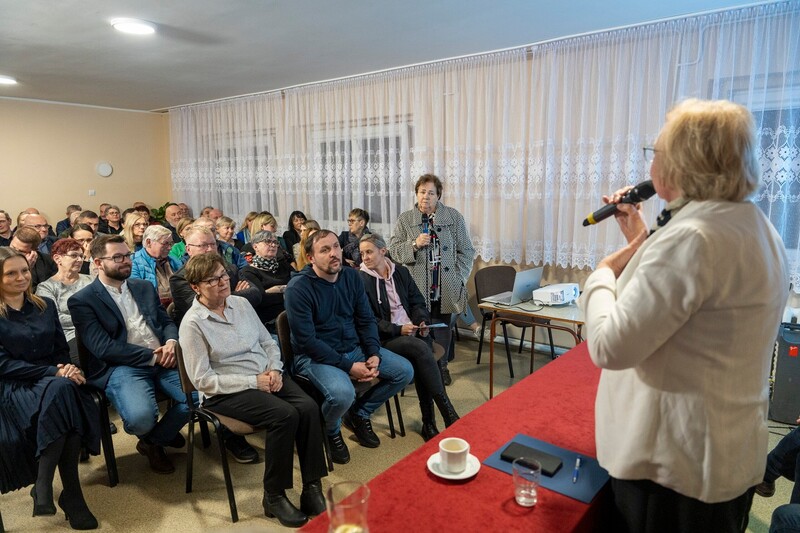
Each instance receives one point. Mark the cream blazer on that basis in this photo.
(685, 339)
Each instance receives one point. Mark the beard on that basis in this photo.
(118, 273)
(333, 268)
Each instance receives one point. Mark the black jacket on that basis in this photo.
(410, 298)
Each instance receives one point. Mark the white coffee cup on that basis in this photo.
(453, 454)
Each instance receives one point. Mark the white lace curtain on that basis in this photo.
(525, 141)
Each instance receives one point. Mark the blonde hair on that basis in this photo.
(248, 218)
(260, 220)
(311, 226)
(127, 229)
(709, 151)
(7, 253)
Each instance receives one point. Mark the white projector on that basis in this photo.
(558, 294)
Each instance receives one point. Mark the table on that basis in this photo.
(555, 404)
(567, 314)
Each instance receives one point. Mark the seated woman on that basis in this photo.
(291, 236)
(299, 252)
(84, 235)
(236, 366)
(133, 230)
(45, 417)
(357, 222)
(178, 249)
(244, 234)
(264, 221)
(68, 255)
(401, 313)
(225, 230)
(112, 224)
(272, 270)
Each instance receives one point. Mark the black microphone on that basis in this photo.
(639, 193)
(424, 223)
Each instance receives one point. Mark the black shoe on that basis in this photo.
(312, 502)
(446, 379)
(177, 442)
(159, 462)
(339, 452)
(362, 427)
(428, 431)
(766, 489)
(446, 409)
(84, 457)
(112, 428)
(42, 508)
(278, 506)
(78, 514)
(241, 450)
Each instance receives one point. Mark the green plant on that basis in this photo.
(159, 213)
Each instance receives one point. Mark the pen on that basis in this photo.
(576, 470)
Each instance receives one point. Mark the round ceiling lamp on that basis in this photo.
(7, 80)
(133, 26)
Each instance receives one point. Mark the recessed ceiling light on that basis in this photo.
(7, 80)
(134, 26)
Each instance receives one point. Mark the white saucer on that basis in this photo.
(473, 465)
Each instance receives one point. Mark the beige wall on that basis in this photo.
(48, 154)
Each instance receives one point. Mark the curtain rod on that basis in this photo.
(528, 47)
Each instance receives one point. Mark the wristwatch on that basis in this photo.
(414, 245)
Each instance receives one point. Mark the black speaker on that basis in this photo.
(784, 406)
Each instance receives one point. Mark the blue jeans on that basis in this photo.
(783, 461)
(394, 373)
(132, 391)
(786, 519)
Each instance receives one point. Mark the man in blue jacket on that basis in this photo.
(132, 344)
(335, 339)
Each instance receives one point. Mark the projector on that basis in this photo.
(558, 294)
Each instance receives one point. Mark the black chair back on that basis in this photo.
(494, 280)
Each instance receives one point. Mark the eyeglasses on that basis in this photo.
(353, 220)
(39, 226)
(649, 153)
(141, 225)
(216, 279)
(75, 255)
(84, 241)
(270, 243)
(166, 243)
(205, 245)
(118, 258)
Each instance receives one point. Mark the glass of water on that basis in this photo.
(526, 473)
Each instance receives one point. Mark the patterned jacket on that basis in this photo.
(457, 254)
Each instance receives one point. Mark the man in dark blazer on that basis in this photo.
(132, 344)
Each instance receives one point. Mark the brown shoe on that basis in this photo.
(159, 462)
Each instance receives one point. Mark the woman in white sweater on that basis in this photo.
(682, 321)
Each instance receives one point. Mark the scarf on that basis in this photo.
(262, 263)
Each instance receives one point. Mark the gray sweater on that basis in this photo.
(60, 293)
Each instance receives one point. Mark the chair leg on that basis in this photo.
(223, 455)
(552, 346)
(190, 454)
(2, 527)
(508, 351)
(204, 435)
(399, 416)
(480, 342)
(522, 340)
(533, 346)
(392, 433)
(107, 442)
(325, 444)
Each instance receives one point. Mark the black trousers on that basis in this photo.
(442, 336)
(645, 507)
(290, 417)
(427, 378)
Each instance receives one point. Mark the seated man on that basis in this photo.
(90, 218)
(173, 215)
(335, 338)
(39, 223)
(26, 241)
(65, 224)
(5, 228)
(227, 251)
(132, 344)
(783, 461)
(152, 263)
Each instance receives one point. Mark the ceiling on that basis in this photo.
(203, 50)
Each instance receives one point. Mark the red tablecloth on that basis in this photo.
(555, 404)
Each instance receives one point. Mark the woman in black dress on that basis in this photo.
(45, 418)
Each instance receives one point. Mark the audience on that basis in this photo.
(39, 223)
(132, 345)
(68, 254)
(102, 210)
(272, 271)
(5, 228)
(335, 338)
(172, 215)
(225, 230)
(301, 259)
(357, 222)
(236, 365)
(112, 223)
(178, 250)
(133, 230)
(42, 267)
(292, 235)
(152, 262)
(84, 235)
(244, 235)
(89, 218)
(45, 418)
(782, 461)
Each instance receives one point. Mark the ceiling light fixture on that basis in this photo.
(7, 80)
(133, 26)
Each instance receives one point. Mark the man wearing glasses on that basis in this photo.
(39, 223)
(26, 241)
(132, 344)
(200, 240)
(153, 263)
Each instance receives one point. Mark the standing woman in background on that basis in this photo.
(432, 241)
(683, 323)
(45, 417)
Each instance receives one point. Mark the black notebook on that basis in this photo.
(515, 450)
